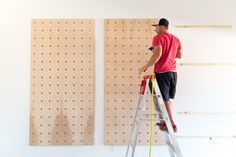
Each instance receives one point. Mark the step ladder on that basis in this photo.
(171, 140)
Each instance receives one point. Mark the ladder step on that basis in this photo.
(151, 114)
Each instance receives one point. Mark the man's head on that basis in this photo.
(162, 26)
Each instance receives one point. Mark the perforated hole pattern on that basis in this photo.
(62, 82)
(126, 50)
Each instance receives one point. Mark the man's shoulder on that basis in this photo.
(173, 36)
(157, 36)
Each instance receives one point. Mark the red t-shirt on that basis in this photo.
(170, 45)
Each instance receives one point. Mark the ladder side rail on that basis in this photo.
(170, 146)
(141, 110)
(137, 122)
(165, 115)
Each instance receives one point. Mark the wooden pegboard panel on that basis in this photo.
(62, 82)
(126, 50)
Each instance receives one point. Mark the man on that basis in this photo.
(166, 47)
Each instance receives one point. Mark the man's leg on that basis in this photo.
(167, 88)
(169, 109)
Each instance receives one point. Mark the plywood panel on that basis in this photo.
(126, 50)
(62, 82)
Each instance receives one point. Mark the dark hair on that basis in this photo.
(163, 22)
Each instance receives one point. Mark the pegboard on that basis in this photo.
(62, 82)
(126, 50)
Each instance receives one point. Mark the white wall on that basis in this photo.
(200, 88)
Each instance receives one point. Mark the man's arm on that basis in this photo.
(179, 54)
(157, 52)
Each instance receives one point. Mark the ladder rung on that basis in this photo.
(150, 114)
(156, 116)
(149, 119)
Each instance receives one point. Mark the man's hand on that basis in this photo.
(143, 69)
(157, 52)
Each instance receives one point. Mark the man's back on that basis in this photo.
(170, 45)
(166, 47)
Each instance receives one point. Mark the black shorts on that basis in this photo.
(167, 83)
